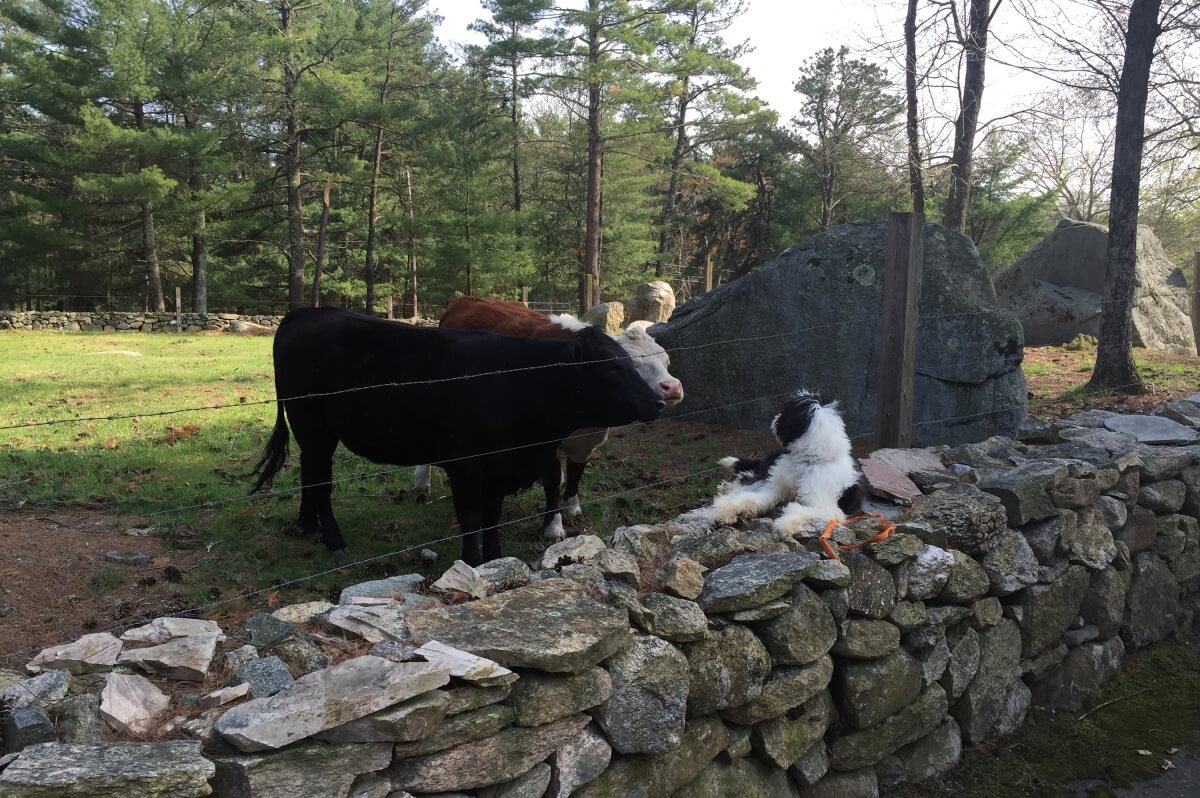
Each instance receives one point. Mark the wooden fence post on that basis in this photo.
(1195, 286)
(178, 312)
(389, 307)
(904, 254)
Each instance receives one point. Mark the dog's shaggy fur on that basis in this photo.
(813, 471)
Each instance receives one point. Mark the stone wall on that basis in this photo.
(668, 660)
(111, 321)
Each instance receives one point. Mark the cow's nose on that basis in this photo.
(672, 390)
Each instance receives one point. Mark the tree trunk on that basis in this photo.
(376, 167)
(199, 234)
(322, 237)
(373, 220)
(589, 293)
(516, 133)
(1115, 369)
(149, 242)
(954, 213)
(291, 79)
(916, 180)
(150, 254)
(676, 156)
(412, 246)
(826, 189)
(200, 264)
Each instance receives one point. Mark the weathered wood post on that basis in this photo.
(904, 254)
(1195, 286)
(389, 307)
(178, 311)
(525, 295)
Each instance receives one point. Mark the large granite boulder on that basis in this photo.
(653, 302)
(1058, 286)
(818, 302)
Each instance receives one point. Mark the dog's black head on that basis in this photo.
(793, 420)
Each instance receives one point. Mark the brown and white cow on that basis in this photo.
(514, 318)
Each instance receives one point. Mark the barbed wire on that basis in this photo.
(500, 372)
(340, 567)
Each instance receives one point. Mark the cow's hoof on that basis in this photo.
(340, 556)
(572, 509)
(554, 530)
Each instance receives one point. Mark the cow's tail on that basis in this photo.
(275, 455)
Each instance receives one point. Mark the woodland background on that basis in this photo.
(271, 154)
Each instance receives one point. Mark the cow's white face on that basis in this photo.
(651, 362)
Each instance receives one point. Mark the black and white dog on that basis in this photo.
(813, 471)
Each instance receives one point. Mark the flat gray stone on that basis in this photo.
(174, 769)
(1153, 430)
(414, 719)
(671, 618)
(305, 770)
(751, 580)
(786, 688)
(1010, 564)
(861, 638)
(646, 710)
(577, 762)
(266, 676)
(653, 776)
(27, 726)
(539, 698)
(482, 763)
(43, 689)
(392, 587)
(870, 691)
(523, 628)
(325, 699)
(187, 658)
(94, 653)
(532, 784)
(133, 559)
(863, 748)
(805, 632)
(726, 669)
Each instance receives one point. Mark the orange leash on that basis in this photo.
(885, 530)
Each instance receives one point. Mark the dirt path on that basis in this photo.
(55, 584)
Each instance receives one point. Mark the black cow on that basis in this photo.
(490, 409)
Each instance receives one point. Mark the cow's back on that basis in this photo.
(396, 393)
(502, 316)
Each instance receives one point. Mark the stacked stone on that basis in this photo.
(677, 659)
(113, 321)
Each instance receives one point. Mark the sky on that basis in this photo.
(783, 34)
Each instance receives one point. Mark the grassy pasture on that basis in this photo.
(184, 474)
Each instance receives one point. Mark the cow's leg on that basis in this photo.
(421, 481)
(571, 491)
(316, 492)
(552, 527)
(493, 507)
(468, 509)
(578, 448)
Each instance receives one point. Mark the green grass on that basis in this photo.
(1155, 707)
(105, 581)
(185, 474)
(1041, 369)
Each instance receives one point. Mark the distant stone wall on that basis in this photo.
(124, 322)
(670, 659)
